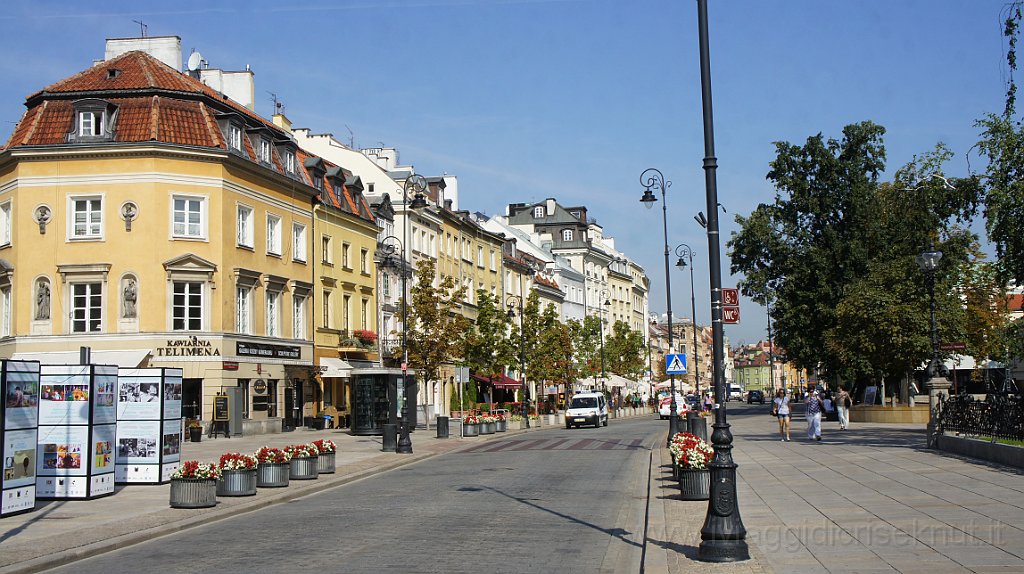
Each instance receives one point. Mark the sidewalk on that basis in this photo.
(868, 499)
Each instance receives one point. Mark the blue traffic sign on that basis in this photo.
(675, 364)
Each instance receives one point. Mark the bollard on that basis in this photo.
(442, 427)
(390, 436)
(698, 425)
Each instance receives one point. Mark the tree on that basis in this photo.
(986, 313)
(624, 351)
(587, 342)
(488, 350)
(436, 330)
(555, 349)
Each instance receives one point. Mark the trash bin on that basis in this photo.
(698, 425)
(390, 438)
(442, 427)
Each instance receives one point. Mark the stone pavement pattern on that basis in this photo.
(868, 499)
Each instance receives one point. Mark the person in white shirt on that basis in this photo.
(780, 408)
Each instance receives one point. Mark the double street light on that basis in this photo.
(414, 185)
(684, 251)
(511, 301)
(652, 178)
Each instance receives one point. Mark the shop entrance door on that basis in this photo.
(192, 398)
(289, 409)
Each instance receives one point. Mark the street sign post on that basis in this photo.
(731, 315)
(675, 364)
(730, 297)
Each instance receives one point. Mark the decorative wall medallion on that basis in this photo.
(42, 215)
(129, 211)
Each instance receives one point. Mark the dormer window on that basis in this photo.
(94, 120)
(289, 162)
(567, 235)
(264, 151)
(235, 137)
(538, 212)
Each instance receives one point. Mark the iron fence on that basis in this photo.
(998, 416)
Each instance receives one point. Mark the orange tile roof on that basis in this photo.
(1016, 303)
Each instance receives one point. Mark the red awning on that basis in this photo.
(499, 381)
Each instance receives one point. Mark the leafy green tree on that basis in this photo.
(624, 351)
(436, 329)
(488, 349)
(587, 343)
(554, 349)
(986, 314)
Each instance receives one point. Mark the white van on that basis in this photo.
(587, 409)
(735, 393)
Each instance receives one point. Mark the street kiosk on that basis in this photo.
(149, 434)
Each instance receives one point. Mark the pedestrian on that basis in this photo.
(843, 404)
(707, 402)
(780, 408)
(814, 406)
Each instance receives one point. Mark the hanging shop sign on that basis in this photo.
(188, 347)
(260, 386)
(268, 351)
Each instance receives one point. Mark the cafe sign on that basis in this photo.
(267, 351)
(188, 347)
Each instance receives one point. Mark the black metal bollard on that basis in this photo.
(442, 427)
(390, 438)
(698, 425)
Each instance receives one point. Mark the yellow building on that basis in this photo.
(160, 223)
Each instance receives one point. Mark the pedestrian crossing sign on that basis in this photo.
(675, 364)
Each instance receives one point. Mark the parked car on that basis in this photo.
(665, 406)
(587, 408)
(735, 393)
(755, 396)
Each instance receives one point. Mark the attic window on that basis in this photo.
(538, 212)
(113, 73)
(94, 121)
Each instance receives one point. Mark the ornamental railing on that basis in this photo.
(998, 416)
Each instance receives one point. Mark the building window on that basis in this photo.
(344, 255)
(385, 284)
(345, 318)
(364, 256)
(273, 234)
(289, 162)
(494, 261)
(245, 231)
(235, 137)
(298, 317)
(363, 313)
(566, 235)
(480, 256)
(86, 307)
(187, 306)
(5, 223)
(299, 242)
(243, 310)
(538, 212)
(5, 311)
(264, 151)
(86, 217)
(273, 313)
(90, 123)
(188, 217)
(327, 309)
(325, 249)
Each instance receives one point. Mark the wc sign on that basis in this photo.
(675, 364)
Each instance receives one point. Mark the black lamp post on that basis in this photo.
(607, 303)
(511, 302)
(684, 250)
(416, 184)
(723, 537)
(653, 178)
(936, 385)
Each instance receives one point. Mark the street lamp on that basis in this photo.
(684, 250)
(607, 303)
(511, 302)
(653, 178)
(416, 184)
(723, 536)
(928, 261)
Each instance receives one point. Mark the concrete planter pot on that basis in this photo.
(486, 428)
(193, 493)
(325, 463)
(303, 468)
(501, 426)
(272, 474)
(694, 483)
(470, 430)
(237, 483)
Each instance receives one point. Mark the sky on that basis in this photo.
(572, 99)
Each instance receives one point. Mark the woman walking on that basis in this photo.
(780, 408)
(813, 414)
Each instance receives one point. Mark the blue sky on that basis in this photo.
(572, 99)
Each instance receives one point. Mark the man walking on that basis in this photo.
(843, 404)
(814, 406)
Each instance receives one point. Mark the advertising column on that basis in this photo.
(19, 382)
(75, 457)
(148, 425)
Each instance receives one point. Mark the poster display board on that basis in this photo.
(77, 426)
(148, 443)
(19, 415)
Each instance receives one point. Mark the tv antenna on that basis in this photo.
(278, 104)
(195, 61)
(351, 138)
(142, 27)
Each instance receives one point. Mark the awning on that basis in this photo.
(335, 367)
(499, 381)
(126, 359)
(611, 380)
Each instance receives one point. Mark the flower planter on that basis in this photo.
(470, 430)
(193, 493)
(501, 426)
(325, 463)
(694, 483)
(304, 468)
(486, 428)
(195, 434)
(237, 483)
(272, 474)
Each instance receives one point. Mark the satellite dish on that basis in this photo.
(194, 61)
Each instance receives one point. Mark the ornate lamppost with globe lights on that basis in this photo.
(683, 252)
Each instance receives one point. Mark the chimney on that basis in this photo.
(167, 49)
(239, 86)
